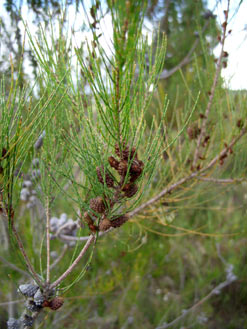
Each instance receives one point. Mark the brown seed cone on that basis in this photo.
(130, 189)
(117, 222)
(56, 303)
(105, 224)
(134, 176)
(122, 167)
(113, 162)
(137, 166)
(124, 155)
(101, 173)
(126, 152)
(97, 205)
(117, 149)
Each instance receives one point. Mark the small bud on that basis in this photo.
(223, 156)
(56, 303)
(240, 123)
(224, 64)
(224, 25)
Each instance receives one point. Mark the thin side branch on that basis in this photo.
(221, 181)
(213, 292)
(73, 265)
(186, 60)
(191, 176)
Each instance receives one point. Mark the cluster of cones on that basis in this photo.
(35, 302)
(129, 168)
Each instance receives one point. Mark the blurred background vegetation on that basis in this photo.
(168, 258)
